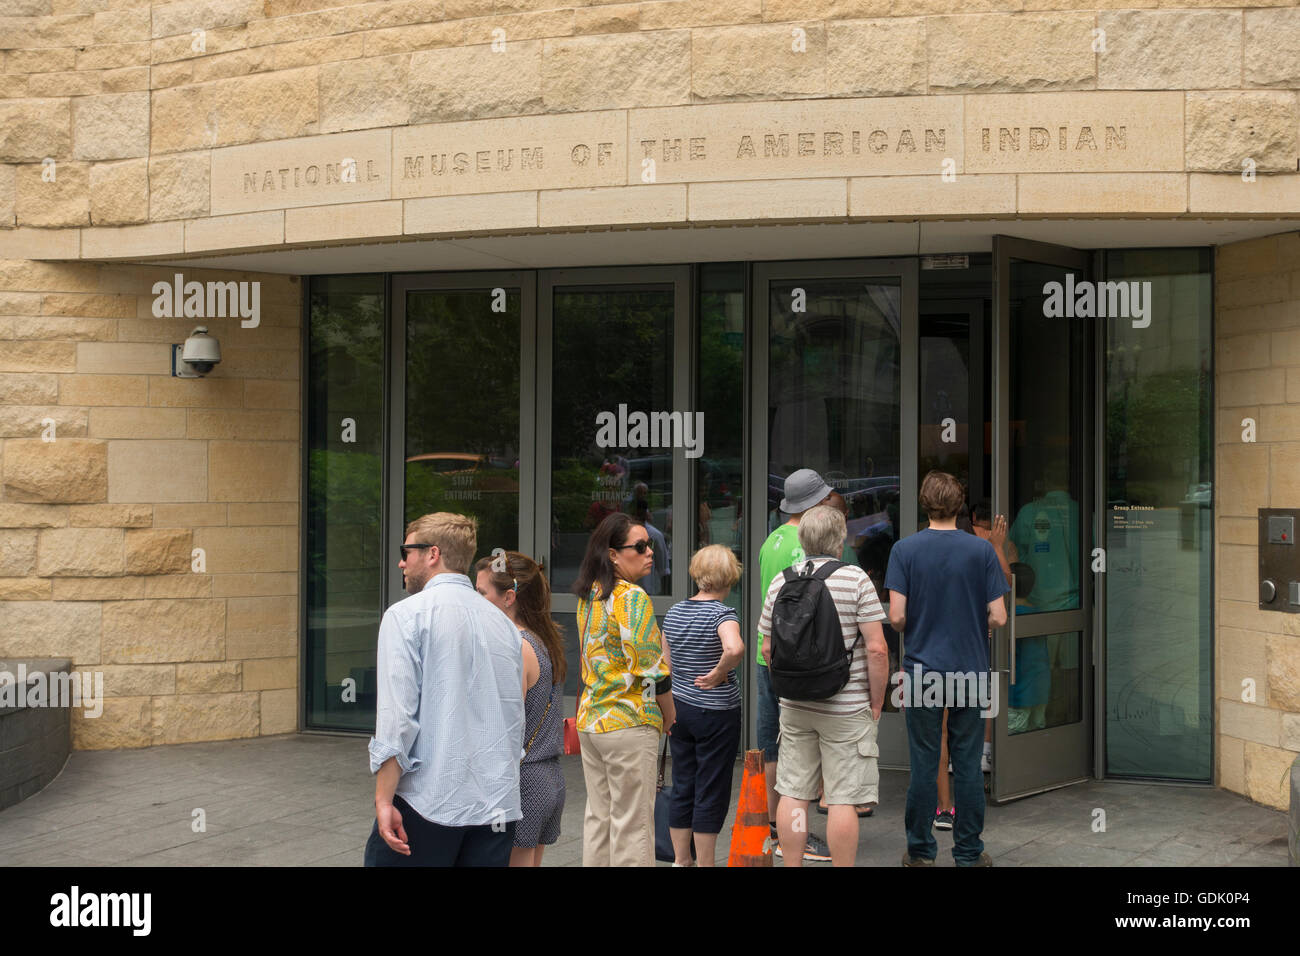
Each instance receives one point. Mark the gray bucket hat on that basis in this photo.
(803, 489)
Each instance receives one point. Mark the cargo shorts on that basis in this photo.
(840, 751)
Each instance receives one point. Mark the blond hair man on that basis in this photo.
(450, 715)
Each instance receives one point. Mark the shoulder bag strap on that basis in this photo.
(542, 720)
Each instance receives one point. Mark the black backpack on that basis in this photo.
(808, 660)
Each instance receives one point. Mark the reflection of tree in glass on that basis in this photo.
(345, 380)
(1153, 427)
(462, 398)
(721, 378)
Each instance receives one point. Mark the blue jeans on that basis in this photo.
(769, 715)
(965, 745)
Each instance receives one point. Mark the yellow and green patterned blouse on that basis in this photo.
(622, 659)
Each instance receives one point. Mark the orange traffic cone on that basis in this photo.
(750, 839)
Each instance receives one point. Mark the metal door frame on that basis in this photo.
(892, 735)
(1079, 736)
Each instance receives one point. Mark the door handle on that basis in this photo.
(1012, 646)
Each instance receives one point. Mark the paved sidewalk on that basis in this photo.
(306, 800)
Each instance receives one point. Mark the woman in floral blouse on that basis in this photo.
(626, 699)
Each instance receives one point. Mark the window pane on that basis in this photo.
(834, 406)
(344, 578)
(462, 409)
(1158, 538)
(612, 354)
(1045, 463)
(719, 473)
(1049, 684)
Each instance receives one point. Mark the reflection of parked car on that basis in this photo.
(720, 481)
(488, 473)
(656, 471)
(1201, 494)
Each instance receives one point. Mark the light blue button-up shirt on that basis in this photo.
(450, 704)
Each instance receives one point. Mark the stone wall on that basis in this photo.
(113, 473)
(1257, 377)
(152, 113)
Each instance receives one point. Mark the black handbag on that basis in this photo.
(664, 851)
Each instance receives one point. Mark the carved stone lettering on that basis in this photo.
(503, 155)
(1094, 131)
(289, 173)
(1015, 132)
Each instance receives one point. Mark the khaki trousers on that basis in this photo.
(618, 828)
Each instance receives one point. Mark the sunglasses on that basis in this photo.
(641, 546)
(402, 549)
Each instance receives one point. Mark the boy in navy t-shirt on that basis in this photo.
(945, 592)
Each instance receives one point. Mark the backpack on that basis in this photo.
(808, 659)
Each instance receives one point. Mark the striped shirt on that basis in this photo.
(691, 629)
(856, 602)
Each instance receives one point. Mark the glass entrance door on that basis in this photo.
(834, 352)
(1042, 479)
(462, 349)
(613, 356)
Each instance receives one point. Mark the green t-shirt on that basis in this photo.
(780, 551)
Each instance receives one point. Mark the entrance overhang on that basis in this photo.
(621, 246)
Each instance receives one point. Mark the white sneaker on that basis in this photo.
(986, 762)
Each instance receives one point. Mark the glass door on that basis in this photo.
(461, 407)
(615, 424)
(1042, 478)
(834, 352)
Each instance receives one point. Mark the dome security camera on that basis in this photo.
(200, 354)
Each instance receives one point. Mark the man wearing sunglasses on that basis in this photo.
(449, 723)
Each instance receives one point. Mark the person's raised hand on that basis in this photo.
(998, 535)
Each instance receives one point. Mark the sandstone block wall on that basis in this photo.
(152, 113)
(1257, 378)
(99, 526)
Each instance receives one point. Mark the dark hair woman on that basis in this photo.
(515, 583)
(626, 699)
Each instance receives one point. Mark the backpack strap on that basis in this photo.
(827, 569)
(824, 572)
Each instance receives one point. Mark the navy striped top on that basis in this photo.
(691, 630)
